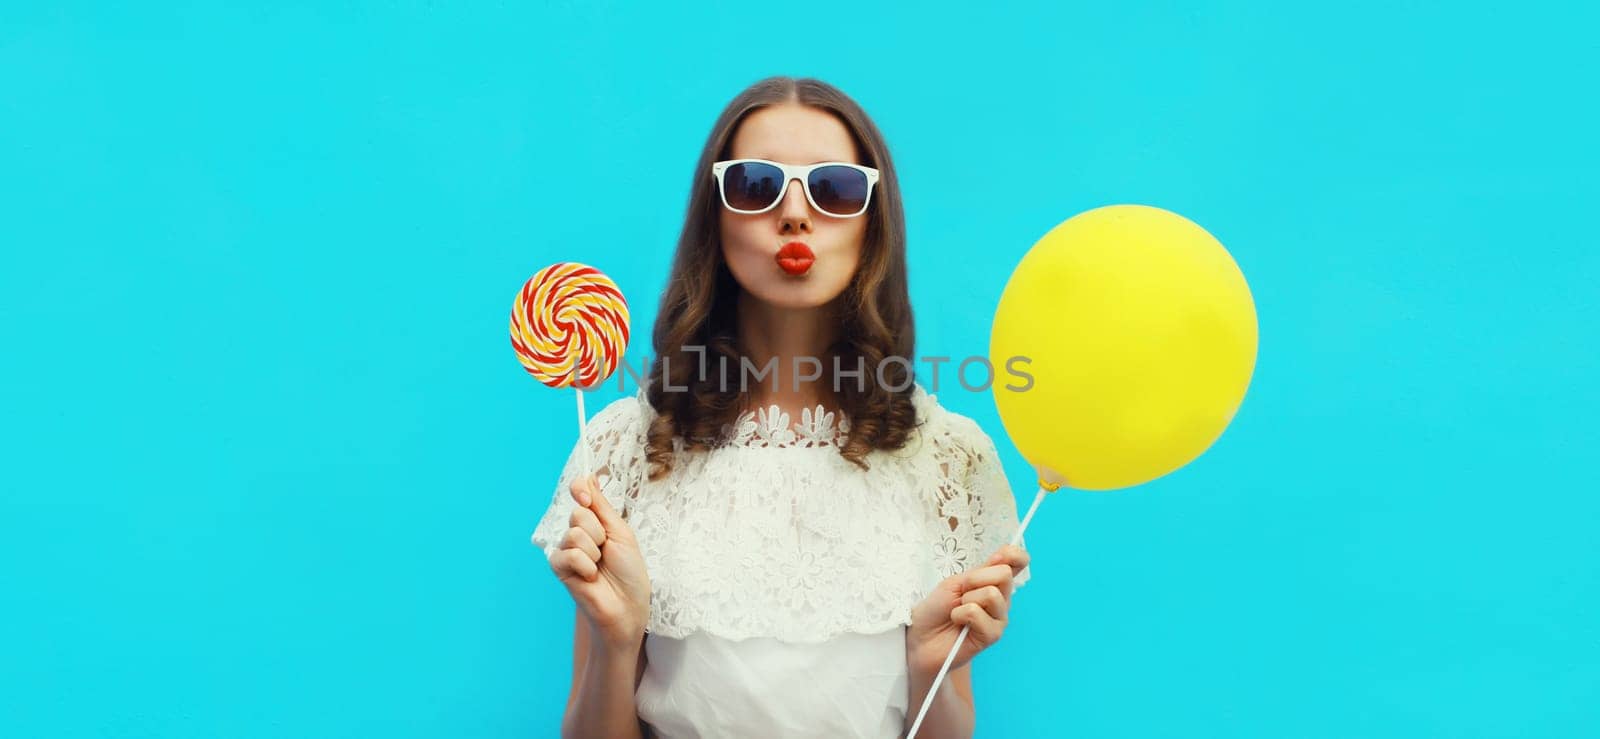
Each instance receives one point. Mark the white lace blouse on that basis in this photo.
(782, 575)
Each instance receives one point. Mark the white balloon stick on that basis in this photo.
(928, 700)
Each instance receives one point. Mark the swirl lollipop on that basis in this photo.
(569, 327)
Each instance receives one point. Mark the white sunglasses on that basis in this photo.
(750, 186)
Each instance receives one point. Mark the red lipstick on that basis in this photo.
(795, 258)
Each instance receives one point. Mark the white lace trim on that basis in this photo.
(770, 427)
(777, 535)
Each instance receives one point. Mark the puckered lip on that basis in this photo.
(795, 258)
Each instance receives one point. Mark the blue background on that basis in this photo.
(270, 465)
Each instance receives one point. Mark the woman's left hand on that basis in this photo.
(979, 598)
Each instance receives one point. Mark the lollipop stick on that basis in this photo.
(582, 424)
(962, 637)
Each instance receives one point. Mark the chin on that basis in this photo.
(802, 293)
(765, 282)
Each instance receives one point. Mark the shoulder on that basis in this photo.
(949, 432)
(622, 424)
(626, 411)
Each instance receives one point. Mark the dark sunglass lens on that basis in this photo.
(839, 190)
(751, 185)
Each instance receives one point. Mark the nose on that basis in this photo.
(794, 213)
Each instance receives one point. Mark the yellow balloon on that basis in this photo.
(1137, 335)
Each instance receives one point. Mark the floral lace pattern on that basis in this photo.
(770, 427)
(773, 533)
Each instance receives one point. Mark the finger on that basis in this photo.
(579, 489)
(585, 519)
(1012, 555)
(996, 575)
(609, 518)
(984, 628)
(577, 538)
(570, 564)
(993, 601)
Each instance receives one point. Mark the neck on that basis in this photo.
(766, 332)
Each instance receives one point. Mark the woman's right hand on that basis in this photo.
(602, 567)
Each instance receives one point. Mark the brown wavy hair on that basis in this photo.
(699, 305)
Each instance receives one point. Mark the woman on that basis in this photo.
(785, 533)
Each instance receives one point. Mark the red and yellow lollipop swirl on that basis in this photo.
(569, 325)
